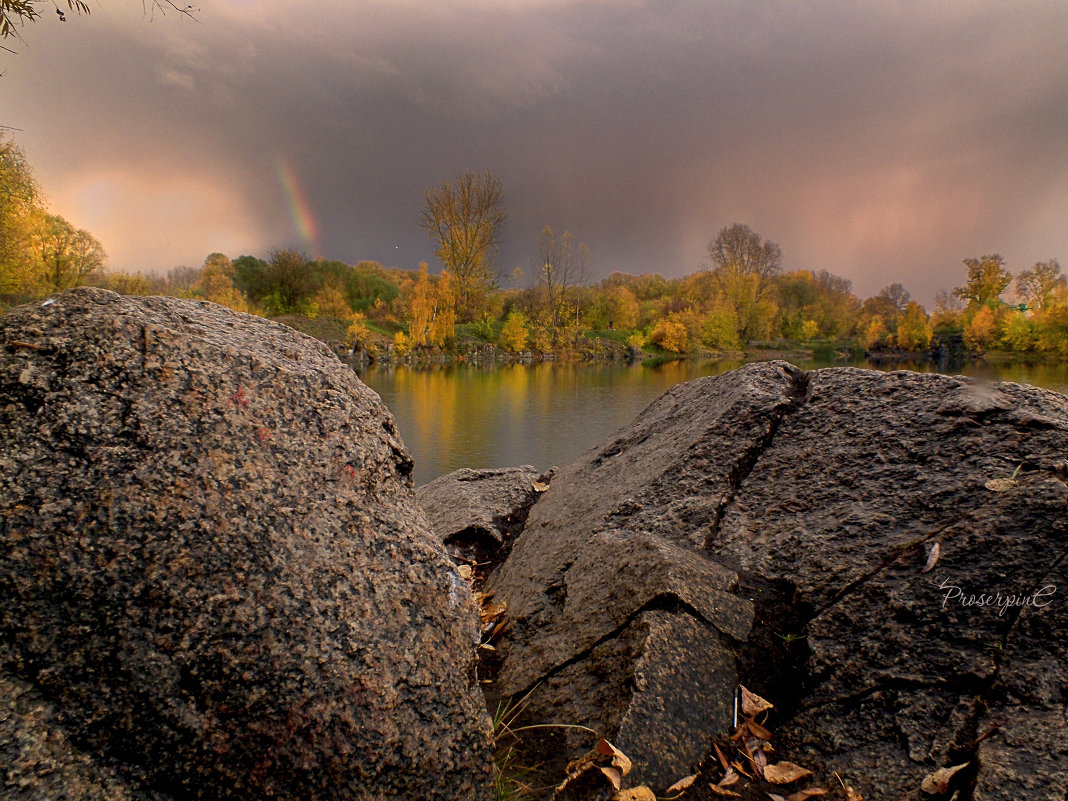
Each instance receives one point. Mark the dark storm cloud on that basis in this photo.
(882, 141)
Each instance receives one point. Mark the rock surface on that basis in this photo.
(771, 527)
(476, 513)
(216, 581)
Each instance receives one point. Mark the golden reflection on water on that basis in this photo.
(547, 414)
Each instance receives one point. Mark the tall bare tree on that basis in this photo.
(560, 266)
(466, 218)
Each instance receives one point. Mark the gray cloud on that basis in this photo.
(883, 141)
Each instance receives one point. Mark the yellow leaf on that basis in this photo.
(639, 793)
(539, 486)
(785, 772)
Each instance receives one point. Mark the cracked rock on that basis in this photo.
(808, 504)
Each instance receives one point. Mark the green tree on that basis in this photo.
(987, 279)
(466, 218)
(288, 282)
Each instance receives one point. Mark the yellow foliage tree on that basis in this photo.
(432, 309)
(982, 330)
(514, 334)
(332, 300)
(914, 332)
(671, 334)
(875, 333)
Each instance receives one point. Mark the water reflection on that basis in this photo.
(547, 414)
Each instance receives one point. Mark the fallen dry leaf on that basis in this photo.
(465, 571)
(539, 486)
(753, 704)
(1001, 484)
(785, 772)
(493, 611)
(932, 558)
(730, 777)
(681, 785)
(618, 758)
(613, 776)
(724, 791)
(774, 797)
(758, 730)
(938, 782)
(802, 795)
(722, 759)
(639, 793)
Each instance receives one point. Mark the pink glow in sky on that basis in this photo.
(883, 141)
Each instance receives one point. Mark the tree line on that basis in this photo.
(741, 296)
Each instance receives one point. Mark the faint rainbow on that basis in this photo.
(299, 207)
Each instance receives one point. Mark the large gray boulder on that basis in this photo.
(771, 528)
(216, 581)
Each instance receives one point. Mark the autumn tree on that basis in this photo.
(514, 334)
(744, 266)
(66, 256)
(19, 198)
(1038, 286)
(433, 309)
(914, 330)
(987, 279)
(466, 218)
(895, 298)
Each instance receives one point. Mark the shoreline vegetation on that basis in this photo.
(741, 301)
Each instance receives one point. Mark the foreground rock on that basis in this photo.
(216, 581)
(772, 528)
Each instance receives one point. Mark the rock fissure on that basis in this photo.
(743, 467)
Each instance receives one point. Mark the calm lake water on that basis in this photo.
(547, 414)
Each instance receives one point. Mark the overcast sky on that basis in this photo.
(883, 141)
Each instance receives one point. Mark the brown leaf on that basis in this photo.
(539, 486)
(722, 759)
(774, 797)
(852, 795)
(465, 571)
(639, 793)
(1001, 484)
(753, 704)
(681, 785)
(802, 795)
(618, 758)
(724, 791)
(938, 782)
(730, 777)
(493, 611)
(932, 557)
(613, 776)
(758, 730)
(785, 772)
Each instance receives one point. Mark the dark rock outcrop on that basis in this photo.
(216, 581)
(477, 513)
(771, 527)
